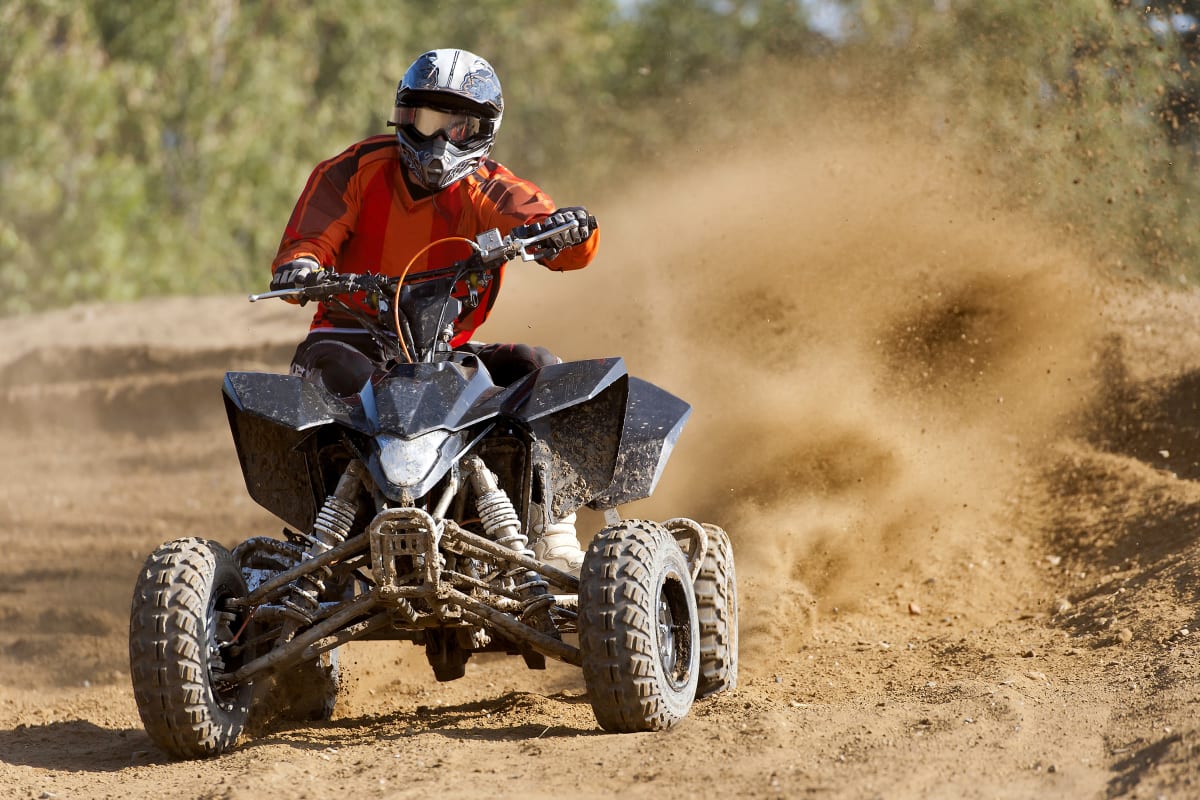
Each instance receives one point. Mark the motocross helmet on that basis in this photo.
(448, 109)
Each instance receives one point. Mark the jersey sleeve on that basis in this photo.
(511, 201)
(324, 214)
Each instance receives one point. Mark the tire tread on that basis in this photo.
(616, 633)
(167, 650)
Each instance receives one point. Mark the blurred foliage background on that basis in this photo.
(157, 147)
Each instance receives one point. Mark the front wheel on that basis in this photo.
(638, 628)
(181, 635)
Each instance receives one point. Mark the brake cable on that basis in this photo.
(400, 282)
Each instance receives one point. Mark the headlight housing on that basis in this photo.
(413, 463)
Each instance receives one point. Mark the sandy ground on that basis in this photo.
(957, 461)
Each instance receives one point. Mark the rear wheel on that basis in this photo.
(717, 604)
(181, 635)
(306, 692)
(638, 628)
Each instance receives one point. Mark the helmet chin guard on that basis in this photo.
(435, 163)
(448, 81)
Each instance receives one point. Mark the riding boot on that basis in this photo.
(555, 543)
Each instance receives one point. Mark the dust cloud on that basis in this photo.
(874, 347)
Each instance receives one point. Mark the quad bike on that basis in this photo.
(408, 505)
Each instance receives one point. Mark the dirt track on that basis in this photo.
(958, 465)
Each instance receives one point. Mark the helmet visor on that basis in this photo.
(458, 127)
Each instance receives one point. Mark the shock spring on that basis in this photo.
(332, 526)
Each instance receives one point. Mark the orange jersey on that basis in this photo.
(356, 215)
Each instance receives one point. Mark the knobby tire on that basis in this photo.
(633, 683)
(174, 617)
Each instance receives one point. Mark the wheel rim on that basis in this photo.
(222, 659)
(673, 624)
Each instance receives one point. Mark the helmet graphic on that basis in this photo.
(448, 109)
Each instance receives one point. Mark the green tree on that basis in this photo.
(157, 147)
(1064, 98)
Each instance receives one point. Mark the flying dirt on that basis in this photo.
(956, 461)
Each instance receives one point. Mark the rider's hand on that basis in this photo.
(563, 239)
(295, 274)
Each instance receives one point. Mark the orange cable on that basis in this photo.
(400, 283)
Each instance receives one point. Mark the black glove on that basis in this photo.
(567, 238)
(295, 274)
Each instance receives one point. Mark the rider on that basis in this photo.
(373, 208)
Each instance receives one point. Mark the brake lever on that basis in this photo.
(523, 244)
(494, 248)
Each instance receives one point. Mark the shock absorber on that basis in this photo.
(332, 526)
(503, 526)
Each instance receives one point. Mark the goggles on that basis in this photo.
(458, 127)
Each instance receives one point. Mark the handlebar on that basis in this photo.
(491, 251)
